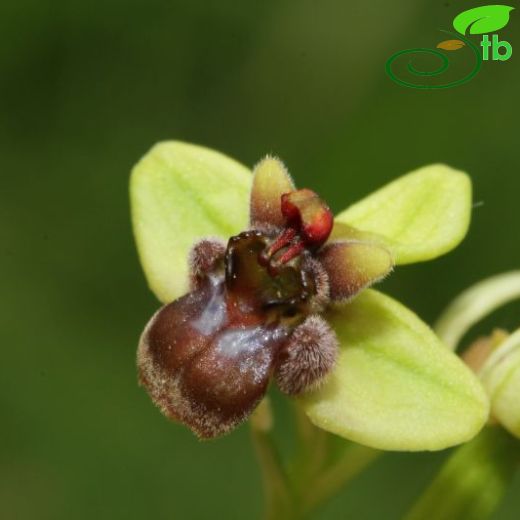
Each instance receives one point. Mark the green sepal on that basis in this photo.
(180, 193)
(421, 215)
(395, 386)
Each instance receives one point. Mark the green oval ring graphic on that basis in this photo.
(436, 72)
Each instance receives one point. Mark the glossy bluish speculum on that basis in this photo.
(206, 359)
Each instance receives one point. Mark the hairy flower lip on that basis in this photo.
(303, 351)
(177, 179)
(206, 359)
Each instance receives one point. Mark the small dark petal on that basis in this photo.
(353, 265)
(307, 357)
(203, 258)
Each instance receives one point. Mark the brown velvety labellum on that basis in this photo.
(213, 363)
(206, 358)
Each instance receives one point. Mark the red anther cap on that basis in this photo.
(309, 215)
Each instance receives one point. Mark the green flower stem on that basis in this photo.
(312, 452)
(352, 462)
(322, 466)
(476, 303)
(278, 494)
(325, 463)
(279, 499)
(472, 482)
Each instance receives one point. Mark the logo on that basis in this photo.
(478, 21)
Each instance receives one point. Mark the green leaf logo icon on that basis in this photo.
(481, 20)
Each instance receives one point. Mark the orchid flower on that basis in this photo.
(260, 282)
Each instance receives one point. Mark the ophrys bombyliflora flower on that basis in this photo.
(268, 290)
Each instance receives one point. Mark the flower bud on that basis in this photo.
(500, 376)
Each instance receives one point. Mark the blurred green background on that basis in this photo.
(85, 89)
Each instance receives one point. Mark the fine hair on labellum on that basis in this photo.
(307, 357)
